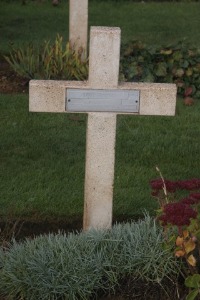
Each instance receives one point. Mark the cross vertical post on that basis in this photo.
(78, 24)
(101, 130)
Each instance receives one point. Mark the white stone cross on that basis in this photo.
(102, 97)
(78, 24)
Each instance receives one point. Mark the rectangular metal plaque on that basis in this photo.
(88, 100)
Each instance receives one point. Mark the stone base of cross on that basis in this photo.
(102, 97)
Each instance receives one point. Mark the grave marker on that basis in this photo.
(78, 24)
(127, 98)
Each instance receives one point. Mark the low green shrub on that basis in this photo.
(50, 61)
(78, 266)
(179, 64)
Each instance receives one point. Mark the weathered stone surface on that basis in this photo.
(104, 57)
(78, 23)
(155, 98)
(99, 170)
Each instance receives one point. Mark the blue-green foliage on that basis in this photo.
(77, 266)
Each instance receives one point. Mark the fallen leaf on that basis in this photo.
(189, 246)
(179, 253)
(191, 260)
(179, 241)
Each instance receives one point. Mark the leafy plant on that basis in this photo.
(77, 266)
(49, 61)
(178, 63)
(193, 282)
(181, 222)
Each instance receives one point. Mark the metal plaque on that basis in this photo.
(88, 100)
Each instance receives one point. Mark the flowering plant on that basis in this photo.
(181, 222)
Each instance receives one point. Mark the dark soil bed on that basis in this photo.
(10, 82)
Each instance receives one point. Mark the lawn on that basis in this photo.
(42, 156)
(153, 23)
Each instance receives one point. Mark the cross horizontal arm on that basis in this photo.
(155, 98)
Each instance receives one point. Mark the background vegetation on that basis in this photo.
(152, 23)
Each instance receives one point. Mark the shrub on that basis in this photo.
(49, 267)
(77, 266)
(181, 222)
(49, 61)
(179, 64)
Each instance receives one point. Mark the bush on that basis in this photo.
(78, 266)
(178, 64)
(49, 61)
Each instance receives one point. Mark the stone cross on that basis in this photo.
(102, 97)
(78, 24)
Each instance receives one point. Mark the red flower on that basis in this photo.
(172, 186)
(189, 201)
(195, 196)
(178, 214)
(157, 184)
(192, 184)
(192, 199)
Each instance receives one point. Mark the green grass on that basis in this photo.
(153, 23)
(42, 158)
